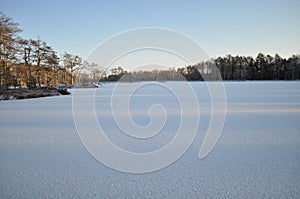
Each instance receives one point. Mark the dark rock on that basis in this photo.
(64, 91)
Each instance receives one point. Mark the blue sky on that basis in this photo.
(221, 27)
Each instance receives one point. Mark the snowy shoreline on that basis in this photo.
(16, 94)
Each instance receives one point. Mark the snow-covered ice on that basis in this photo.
(257, 155)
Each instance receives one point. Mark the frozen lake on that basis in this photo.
(257, 155)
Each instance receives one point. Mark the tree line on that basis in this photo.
(32, 62)
(263, 67)
(232, 68)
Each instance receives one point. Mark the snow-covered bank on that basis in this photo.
(257, 156)
(12, 94)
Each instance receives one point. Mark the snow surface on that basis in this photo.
(257, 156)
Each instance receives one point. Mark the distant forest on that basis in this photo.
(231, 68)
(33, 63)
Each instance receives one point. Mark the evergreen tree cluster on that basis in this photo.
(232, 68)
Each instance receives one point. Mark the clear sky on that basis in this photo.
(220, 26)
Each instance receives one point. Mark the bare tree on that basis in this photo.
(72, 63)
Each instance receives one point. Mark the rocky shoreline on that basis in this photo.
(16, 94)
